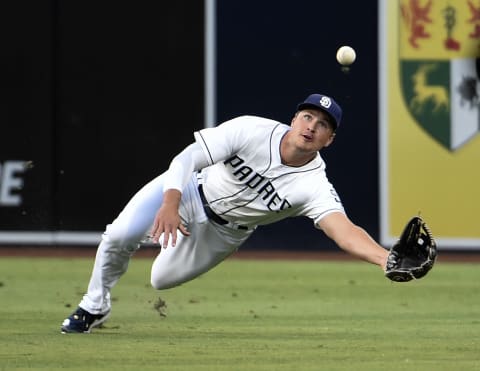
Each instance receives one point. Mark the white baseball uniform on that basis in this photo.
(236, 183)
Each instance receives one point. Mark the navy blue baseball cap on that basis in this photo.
(324, 103)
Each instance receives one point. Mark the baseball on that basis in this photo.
(346, 55)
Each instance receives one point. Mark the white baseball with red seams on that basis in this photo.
(346, 55)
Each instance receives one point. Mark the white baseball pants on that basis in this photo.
(208, 245)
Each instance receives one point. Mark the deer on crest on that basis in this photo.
(423, 92)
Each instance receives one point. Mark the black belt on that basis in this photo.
(211, 215)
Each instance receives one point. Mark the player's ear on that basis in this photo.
(330, 140)
(293, 119)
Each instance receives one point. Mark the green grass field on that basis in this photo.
(244, 315)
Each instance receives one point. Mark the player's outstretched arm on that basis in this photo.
(353, 239)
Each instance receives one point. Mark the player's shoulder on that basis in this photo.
(253, 120)
(254, 123)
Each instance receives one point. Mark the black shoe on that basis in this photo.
(82, 321)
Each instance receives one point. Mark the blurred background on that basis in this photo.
(98, 96)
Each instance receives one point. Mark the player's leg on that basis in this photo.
(208, 245)
(119, 242)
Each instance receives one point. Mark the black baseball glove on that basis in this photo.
(414, 254)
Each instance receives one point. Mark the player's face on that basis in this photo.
(312, 129)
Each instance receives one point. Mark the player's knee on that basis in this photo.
(120, 236)
(161, 283)
(114, 236)
(168, 278)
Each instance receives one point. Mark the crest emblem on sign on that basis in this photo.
(439, 53)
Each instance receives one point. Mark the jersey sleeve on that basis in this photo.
(220, 142)
(180, 170)
(325, 202)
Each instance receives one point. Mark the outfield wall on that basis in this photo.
(97, 98)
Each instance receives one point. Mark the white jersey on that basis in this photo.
(247, 183)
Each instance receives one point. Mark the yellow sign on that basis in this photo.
(430, 118)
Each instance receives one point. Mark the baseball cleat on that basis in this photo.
(82, 321)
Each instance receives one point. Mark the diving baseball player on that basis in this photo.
(246, 172)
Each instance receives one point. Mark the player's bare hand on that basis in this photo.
(168, 221)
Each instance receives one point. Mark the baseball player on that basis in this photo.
(246, 172)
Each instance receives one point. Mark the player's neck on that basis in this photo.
(297, 161)
(292, 156)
